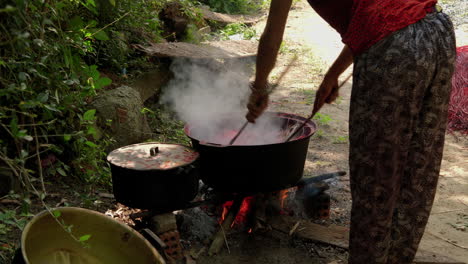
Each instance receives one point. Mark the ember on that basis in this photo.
(244, 210)
(250, 204)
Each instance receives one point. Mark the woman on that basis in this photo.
(403, 53)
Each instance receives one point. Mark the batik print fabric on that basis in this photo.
(401, 89)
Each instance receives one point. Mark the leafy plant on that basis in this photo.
(319, 133)
(340, 140)
(285, 48)
(82, 240)
(309, 95)
(45, 86)
(237, 29)
(322, 119)
(9, 219)
(169, 130)
(235, 6)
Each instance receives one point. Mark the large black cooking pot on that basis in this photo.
(154, 175)
(254, 168)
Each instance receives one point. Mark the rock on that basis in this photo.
(150, 83)
(230, 49)
(123, 106)
(225, 19)
(6, 181)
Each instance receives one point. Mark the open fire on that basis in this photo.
(292, 202)
(241, 217)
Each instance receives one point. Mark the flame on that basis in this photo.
(241, 216)
(250, 230)
(226, 206)
(247, 203)
(283, 194)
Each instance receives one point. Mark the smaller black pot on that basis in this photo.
(139, 181)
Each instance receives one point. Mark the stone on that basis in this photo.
(150, 83)
(164, 223)
(123, 107)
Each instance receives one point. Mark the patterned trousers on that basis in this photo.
(400, 94)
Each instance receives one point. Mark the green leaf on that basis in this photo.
(61, 172)
(145, 110)
(68, 227)
(91, 144)
(91, 71)
(67, 57)
(67, 137)
(3, 229)
(92, 131)
(101, 35)
(91, 2)
(57, 98)
(48, 22)
(52, 108)
(112, 2)
(8, 8)
(76, 23)
(56, 213)
(21, 223)
(22, 76)
(43, 97)
(102, 82)
(28, 104)
(84, 238)
(28, 138)
(14, 126)
(24, 154)
(89, 115)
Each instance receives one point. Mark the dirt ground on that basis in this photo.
(318, 45)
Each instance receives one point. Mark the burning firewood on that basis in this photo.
(219, 238)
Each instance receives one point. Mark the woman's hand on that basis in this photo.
(327, 92)
(258, 102)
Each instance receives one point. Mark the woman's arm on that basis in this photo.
(328, 90)
(268, 48)
(271, 39)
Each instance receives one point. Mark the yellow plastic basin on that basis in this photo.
(44, 242)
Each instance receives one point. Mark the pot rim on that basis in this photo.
(310, 124)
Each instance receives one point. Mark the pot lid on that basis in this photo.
(152, 156)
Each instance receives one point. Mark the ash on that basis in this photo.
(196, 225)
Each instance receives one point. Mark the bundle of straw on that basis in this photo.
(458, 107)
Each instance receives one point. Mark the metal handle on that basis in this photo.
(204, 143)
(154, 151)
(154, 239)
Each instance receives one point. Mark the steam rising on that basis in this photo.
(212, 100)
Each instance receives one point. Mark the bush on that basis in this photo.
(46, 84)
(235, 6)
